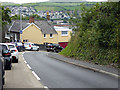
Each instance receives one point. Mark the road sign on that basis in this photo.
(20, 31)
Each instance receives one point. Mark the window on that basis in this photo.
(11, 46)
(51, 35)
(64, 33)
(44, 35)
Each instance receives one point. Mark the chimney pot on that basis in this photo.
(31, 20)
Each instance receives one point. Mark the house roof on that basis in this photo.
(44, 26)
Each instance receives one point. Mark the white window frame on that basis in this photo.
(45, 35)
(64, 34)
(52, 36)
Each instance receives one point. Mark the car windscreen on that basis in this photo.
(26, 44)
(11, 46)
(19, 44)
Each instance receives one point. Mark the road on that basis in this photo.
(57, 74)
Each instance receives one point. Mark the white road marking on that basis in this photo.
(29, 66)
(35, 75)
(23, 58)
(45, 87)
(23, 53)
(25, 62)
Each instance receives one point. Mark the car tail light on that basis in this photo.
(15, 50)
(7, 54)
(51, 46)
(29, 45)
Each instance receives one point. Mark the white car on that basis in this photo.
(14, 52)
(31, 46)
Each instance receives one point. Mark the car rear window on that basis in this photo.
(11, 46)
(3, 47)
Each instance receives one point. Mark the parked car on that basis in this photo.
(2, 72)
(14, 52)
(54, 47)
(7, 55)
(20, 46)
(31, 46)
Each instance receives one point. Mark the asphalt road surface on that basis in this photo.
(57, 74)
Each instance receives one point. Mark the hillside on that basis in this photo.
(53, 5)
(57, 6)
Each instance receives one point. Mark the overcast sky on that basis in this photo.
(29, 1)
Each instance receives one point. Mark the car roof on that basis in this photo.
(5, 45)
(10, 44)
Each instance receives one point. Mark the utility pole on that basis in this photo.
(21, 23)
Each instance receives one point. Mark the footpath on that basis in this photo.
(97, 68)
(20, 76)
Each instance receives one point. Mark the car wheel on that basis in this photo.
(16, 60)
(47, 50)
(2, 87)
(3, 81)
(9, 67)
(38, 49)
(31, 49)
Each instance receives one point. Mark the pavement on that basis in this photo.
(21, 76)
(96, 68)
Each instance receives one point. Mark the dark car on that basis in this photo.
(54, 47)
(7, 56)
(20, 46)
(2, 72)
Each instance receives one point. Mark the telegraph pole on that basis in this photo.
(21, 23)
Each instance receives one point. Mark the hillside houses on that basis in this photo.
(27, 11)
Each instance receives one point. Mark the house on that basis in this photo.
(39, 32)
(5, 35)
(13, 33)
(64, 35)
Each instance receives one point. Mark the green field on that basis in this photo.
(55, 6)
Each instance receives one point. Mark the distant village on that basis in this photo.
(27, 11)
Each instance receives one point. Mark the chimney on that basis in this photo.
(48, 16)
(31, 20)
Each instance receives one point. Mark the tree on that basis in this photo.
(97, 34)
(6, 19)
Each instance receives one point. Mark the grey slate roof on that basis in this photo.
(45, 27)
